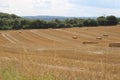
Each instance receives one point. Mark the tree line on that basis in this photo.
(12, 21)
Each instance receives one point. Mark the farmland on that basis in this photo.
(53, 54)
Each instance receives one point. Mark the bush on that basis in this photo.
(90, 22)
(102, 21)
(112, 20)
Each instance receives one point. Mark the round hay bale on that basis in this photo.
(114, 44)
(75, 37)
(99, 38)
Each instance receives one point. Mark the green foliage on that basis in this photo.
(6, 27)
(11, 21)
(102, 21)
(90, 22)
(8, 74)
(8, 16)
(47, 77)
(61, 25)
(112, 20)
(109, 20)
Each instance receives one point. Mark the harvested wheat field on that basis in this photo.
(60, 54)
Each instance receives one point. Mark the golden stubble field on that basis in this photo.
(54, 54)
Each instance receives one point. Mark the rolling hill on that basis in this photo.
(49, 18)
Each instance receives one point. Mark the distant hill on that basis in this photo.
(48, 18)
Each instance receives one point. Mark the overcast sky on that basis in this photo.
(75, 8)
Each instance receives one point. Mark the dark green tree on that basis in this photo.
(112, 20)
(90, 22)
(16, 24)
(102, 21)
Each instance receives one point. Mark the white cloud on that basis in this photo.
(55, 7)
(98, 3)
(41, 4)
(4, 4)
(52, 7)
(94, 11)
(19, 7)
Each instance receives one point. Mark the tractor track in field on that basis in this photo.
(9, 38)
